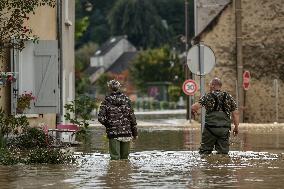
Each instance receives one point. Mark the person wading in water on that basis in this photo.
(220, 107)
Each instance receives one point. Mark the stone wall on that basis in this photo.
(263, 47)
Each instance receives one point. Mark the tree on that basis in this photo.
(82, 61)
(81, 26)
(173, 13)
(13, 14)
(156, 65)
(97, 30)
(140, 21)
(102, 83)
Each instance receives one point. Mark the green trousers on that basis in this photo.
(118, 150)
(215, 137)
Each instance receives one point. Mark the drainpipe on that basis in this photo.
(59, 39)
(239, 58)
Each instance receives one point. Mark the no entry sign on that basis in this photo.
(246, 80)
(189, 87)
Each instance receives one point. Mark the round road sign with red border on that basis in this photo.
(246, 80)
(189, 87)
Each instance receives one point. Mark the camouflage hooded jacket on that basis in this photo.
(117, 116)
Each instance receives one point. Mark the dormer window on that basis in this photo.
(113, 40)
(98, 52)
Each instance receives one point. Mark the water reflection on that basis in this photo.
(162, 158)
(118, 174)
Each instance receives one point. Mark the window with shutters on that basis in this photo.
(37, 71)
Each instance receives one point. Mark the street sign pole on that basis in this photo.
(201, 60)
(202, 81)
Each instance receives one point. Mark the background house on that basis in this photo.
(45, 68)
(261, 47)
(113, 57)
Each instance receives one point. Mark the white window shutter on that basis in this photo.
(38, 71)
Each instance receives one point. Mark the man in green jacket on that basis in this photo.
(220, 107)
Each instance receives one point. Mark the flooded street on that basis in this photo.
(165, 156)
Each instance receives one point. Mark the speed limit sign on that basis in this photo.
(189, 87)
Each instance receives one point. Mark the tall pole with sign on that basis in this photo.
(188, 98)
(201, 60)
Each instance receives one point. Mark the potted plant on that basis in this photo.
(24, 101)
(7, 78)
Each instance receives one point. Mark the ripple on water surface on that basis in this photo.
(180, 169)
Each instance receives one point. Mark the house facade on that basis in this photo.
(108, 53)
(113, 58)
(262, 50)
(45, 68)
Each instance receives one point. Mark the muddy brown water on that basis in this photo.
(163, 157)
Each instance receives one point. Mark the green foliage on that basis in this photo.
(175, 91)
(13, 16)
(83, 54)
(23, 144)
(81, 26)
(49, 156)
(173, 13)
(101, 83)
(31, 138)
(165, 105)
(166, 15)
(82, 84)
(98, 29)
(10, 124)
(79, 112)
(156, 65)
(140, 21)
(34, 146)
(82, 61)
(9, 157)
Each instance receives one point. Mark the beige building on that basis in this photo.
(262, 47)
(46, 68)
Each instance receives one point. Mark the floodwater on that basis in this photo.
(163, 157)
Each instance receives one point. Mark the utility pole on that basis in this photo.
(188, 98)
(240, 91)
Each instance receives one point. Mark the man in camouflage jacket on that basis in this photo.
(117, 115)
(219, 107)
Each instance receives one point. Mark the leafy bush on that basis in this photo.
(50, 156)
(27, 145)
(31, 138)
(172, 105)
(175, 92)
(165, 105)
(10, 125)
(146, 105)
(81, 108)
(8, 157)
(156, 105)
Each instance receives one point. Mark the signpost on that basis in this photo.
(189, 87)
(246, 80)
(201, 60)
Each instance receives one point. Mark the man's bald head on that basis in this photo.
(215, 84)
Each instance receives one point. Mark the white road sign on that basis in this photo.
(200, 59)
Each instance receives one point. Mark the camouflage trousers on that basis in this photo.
(118, 150)
(215, 137)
